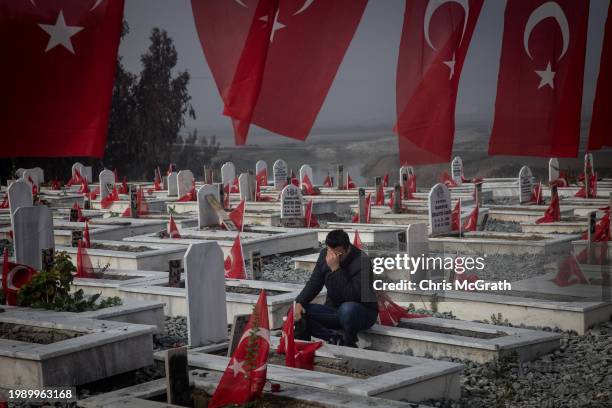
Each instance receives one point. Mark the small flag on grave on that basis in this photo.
(552, 213)
(298, 354)
(14, 276)
(262, 177)
(570, 273)
(84, 267)
(390, 313)
(456, 216)
(357, 240)
(245, 376)
(536, 195)
(380, 194)
(235, 186)
(471, 223)
(237, 215)
(86, 239)
(328, 181)
(110, 198)
(349, 183)
(308, 187)
(602, 228)
(310, 220)
(446, 179)
(385, 182)
(173, 231)
(234, 263)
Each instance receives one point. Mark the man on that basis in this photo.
(347, 310)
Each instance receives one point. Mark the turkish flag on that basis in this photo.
(262, 177)
(357, 243)
(237, 216)
(471, 223)
(57, 76)
(173, 229)
(274, 61)
(380, 195)
(456, 216)
(308, 187)
(245, 376)
(390, 313)
(14, 276)
(299, 354)
(385, 182)
(84, 266)
(601, 127)
(539, 88)
(602, 228)
(328, 181)
(435, 39)
(86, 238)
(234, 263)
(311, 220)
(552, 213)
(570, 273)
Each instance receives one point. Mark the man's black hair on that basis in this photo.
(337, 238)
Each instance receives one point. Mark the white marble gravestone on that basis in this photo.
(19, 195)
(260, 165)
(553, 169)
(205, 291)
(457, 170)
(32, 232)
(40, 175)
(417, 244)
(172, 184)
(84, 171)
(246, 187)
(408, 170)
(107, 183)
(184, 181)
(19, 172)
(228, 173)
(291, 203)
(306, 170)
(207, 216)
(29, 174)
(440, 209)
(280, 173)
(525, 180)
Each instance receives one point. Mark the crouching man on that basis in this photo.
(350, 306)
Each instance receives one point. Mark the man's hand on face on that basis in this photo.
(298, 311)
(333, 259)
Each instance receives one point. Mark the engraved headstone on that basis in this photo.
(107, 183)
(292, 211)
(525, 180)
(457, 170)
(259, 166)
(440, 209)
(279, 171)
(32, 232)
(207, 216)
(246, 187)
(184, 182)
(553, 169)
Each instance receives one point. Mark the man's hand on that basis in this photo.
(298, 311)
(333, 260)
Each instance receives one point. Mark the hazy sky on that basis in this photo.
(363, 93)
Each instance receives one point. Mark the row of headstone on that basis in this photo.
(184, 181)
(525, 180)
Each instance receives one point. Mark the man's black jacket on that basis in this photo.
(344, 285)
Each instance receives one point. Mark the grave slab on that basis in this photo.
(503, 243)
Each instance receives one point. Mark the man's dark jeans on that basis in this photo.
(325, 322)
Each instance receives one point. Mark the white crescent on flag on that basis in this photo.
(546, 10)
(432, 6)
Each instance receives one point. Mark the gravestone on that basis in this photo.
(40, 175)
(361, 206)
(440, 210)
(589, 170)
(184, 182)
(306, 170)
(525, 184)
(107, 183)
(207, 215)
(238, 326)
(85, 171)
(478, 193)
(173, 184)
(591, 237)
(208, 175)
(174, 273)
(246, 187)
(417, 244)
(553, 169)
(32, 233)
(279, 171)
(31, 174)
(340, 177)
(205, 289)
(405, 170)
(178, 389)
(259, 166)
(457, 170)
(19, 172)
(228, 173)
(292, 211)
(19, 195)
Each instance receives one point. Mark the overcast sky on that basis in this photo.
(363, 93)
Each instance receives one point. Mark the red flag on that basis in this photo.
(84, 267)
(157, 182)
(308, 187)
(234, 263)
(34, 187)
(552, 213)
(86, 239)
(124, 187)
(245, 375)
(536, 194)
(357, 240)
(190, 196)
(74, 179)
(55, 185)
(262, 177)
(328, 181)
(262, 76)
(80, 217)
(173, 229)
(235, 188)
(237, 215)
(299, 354)
(446, 179)
(385, 182)
(592, 191)
(435, 39)
(14, 276)
(391, 199)
(570, 273)
(600, 133)
(5, 203)
(602, 229)
(380, 195)
(59, 76)
(84, 186)
(390, 313)
(456, 216)
(110, 198)
(349, 183)
(310, 219)
(367, 210)
(471, 223)
(539, 89)
(141, 203)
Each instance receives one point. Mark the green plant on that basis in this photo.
(499, 320)
(51, 290)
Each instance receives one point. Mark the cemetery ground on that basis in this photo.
(164, 285)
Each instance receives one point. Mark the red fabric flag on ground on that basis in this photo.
(237, 215)
(14, 276)
(570, 273)
(539, 88)
(471, 223)
(380, 195)
(552, 213)
(456, 216)
(357, 240)
(600, 133)
(262, 177)
(59, 76)
(110, 198)
(173, 231)
(349, 183)
(435, 39)
(190, 196)
(86, 238)
(298, 354)
(84, 267)
(328, 181)
(245, 375)
(5, 203)
(234, 263)
(262, 76)
(447, 180)
(308, 186)
(592, 191)
(602, 228)
(385, 182)
(310, 220)
(390, 313)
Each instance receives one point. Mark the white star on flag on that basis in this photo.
(451, 65)
(60, 33)
(237, 367)
(277, 25)
(546, 77)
